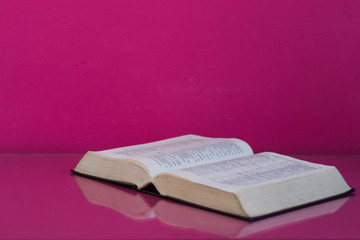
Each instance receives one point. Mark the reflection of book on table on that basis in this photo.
(121, 199)
(140, 206)
(217, 173)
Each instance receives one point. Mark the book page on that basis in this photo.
(234, 174)
(181, 152)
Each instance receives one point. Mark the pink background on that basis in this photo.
(79, 75)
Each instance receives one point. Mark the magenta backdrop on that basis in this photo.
(78, 75)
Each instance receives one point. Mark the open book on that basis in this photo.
(217, 173)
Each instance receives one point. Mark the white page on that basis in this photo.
(234, 174)
(181, 152)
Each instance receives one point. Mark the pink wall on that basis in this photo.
(78, 75)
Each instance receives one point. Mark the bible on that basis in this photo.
(219, 174)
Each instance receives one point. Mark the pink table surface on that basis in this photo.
(41, 199)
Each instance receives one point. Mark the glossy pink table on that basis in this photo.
(41, 199)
